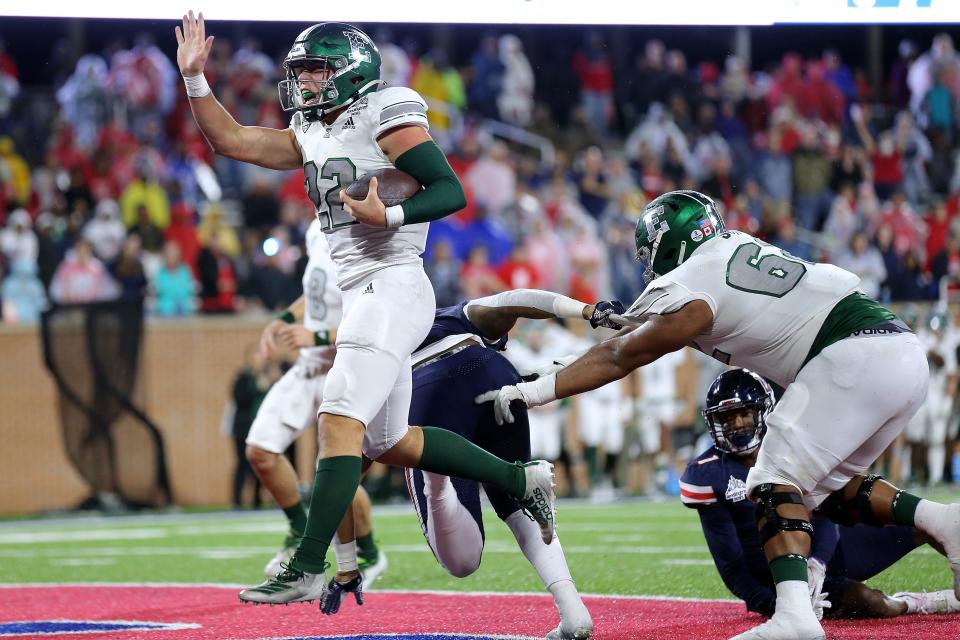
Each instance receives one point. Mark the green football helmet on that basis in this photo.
(347, 52)
(672, 227)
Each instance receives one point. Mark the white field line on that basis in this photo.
(218, 553)
(433, 592)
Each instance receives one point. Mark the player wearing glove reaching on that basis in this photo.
(853, 375)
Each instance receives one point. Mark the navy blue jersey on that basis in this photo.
(715, 485)
(451, 321)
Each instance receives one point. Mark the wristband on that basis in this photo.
(539, 392)
(197, 86)
(394, 216)
(321, 338)
(287, 317)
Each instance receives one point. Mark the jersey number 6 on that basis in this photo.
(774, 274)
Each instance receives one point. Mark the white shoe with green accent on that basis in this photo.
(929, 602)
(539, 499)
(283, 556)
(288, 586)
(372, 570)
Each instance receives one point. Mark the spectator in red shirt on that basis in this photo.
(517, 272)
(478, 277)
(592, 67)
(886, 153)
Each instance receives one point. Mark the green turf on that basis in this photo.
(631, 547)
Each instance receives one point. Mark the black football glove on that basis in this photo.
(336, 593)
(602, 312)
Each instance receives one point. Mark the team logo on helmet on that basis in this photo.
(656, 223)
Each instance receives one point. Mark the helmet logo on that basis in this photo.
(696, 235)
(358, 44)
(655, 223)
(706, 227)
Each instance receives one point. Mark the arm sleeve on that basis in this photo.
(546, 301)
(826, 535)
(724, 545)
(442, 192)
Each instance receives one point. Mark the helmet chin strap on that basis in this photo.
(683, 250)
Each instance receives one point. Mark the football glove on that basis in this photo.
(816, 572)
(336, 593)
(602, 312)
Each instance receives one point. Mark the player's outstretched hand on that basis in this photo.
(269, 345)
(501, 399)
(295, 336)
(370, 211)
(193, 45)
(602, 312)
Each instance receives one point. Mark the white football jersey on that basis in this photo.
(337, 154)
(323, 304)
(767, 305)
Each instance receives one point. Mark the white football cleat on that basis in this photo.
(786, 626)
(539, 499)
(929, 602)
(373, 570)
(577, 626)
(288, 586)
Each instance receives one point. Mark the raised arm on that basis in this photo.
(271, 148)
(495, 315)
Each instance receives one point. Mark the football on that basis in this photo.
(393, 186)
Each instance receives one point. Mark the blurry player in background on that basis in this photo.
(291, 405)
(344, 125)
(853, 375)
(715, 484)
(460, 358)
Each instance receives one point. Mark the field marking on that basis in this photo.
(683, 562)
(82, 562)
(432, 592)
(217, 553)
(89, 535)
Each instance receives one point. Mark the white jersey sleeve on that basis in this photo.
(398, 106)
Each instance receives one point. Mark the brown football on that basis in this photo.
(393, 186)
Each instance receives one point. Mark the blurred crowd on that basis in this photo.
(107, 188)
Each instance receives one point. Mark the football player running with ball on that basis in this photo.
(853, 375)
(344, 125)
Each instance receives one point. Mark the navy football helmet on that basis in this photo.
(731, 394)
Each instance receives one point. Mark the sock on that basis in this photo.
(793, 595)
(789, 567)
(452, 532)
(450, 454)
(367, 547)
(546, 559)
(905, 508)
(333, 489)
(936, 458)
(297, 517)
(346, 554)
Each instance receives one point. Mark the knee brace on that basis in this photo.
(767, 503)
(839, 509)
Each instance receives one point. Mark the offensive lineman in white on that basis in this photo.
(345, 125)
(854, 374)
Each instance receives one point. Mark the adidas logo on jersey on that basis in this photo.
(736, 490)
(369, 289)
(349, 124)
